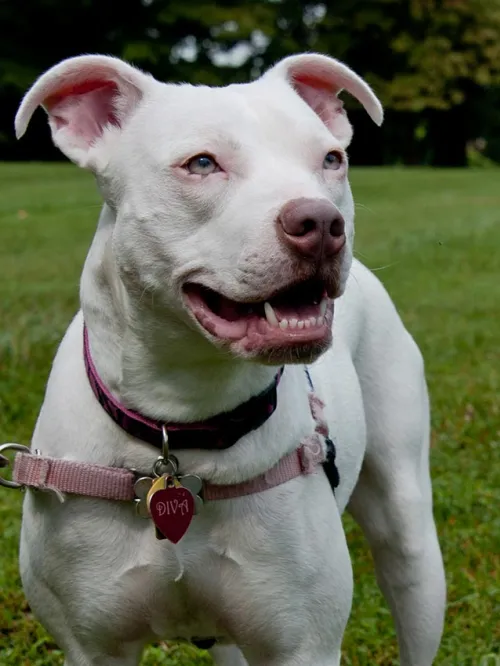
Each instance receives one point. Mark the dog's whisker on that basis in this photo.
(385, 267)
(357, 253)
(363, 206)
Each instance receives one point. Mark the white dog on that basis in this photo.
(225, 238)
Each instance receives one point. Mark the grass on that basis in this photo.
(434, 238)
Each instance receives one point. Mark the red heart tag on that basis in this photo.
(172, 510)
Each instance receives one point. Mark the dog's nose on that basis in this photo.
(313, 228)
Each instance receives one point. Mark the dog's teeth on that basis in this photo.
(271, 317)
(313, 321)
(323, 306)
(283, 323)
(293, 323)
(300, 324)
(307, 323)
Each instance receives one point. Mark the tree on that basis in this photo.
(430, 61)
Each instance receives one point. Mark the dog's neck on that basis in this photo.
(162, 369)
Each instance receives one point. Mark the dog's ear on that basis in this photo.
(85, 98)
(318, 80)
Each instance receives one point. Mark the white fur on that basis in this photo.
(269, 572)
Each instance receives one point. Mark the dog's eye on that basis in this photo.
(333, 160)
(202, 165)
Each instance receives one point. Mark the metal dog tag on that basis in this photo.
(146, 487)
(194, 484)
(171, 507)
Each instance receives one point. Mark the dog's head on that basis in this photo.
(232, 205)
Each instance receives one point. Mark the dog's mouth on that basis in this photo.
(296, 315)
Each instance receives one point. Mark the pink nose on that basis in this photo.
(313, 228)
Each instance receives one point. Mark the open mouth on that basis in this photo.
(297, 315)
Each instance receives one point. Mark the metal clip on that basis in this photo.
(164, 442)
(165, 464)
(11, 447)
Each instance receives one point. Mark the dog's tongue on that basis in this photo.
(222, 306)
(230, 310)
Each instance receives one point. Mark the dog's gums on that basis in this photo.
(298, 315)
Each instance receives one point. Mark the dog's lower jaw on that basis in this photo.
(260, 348)
(282, 355)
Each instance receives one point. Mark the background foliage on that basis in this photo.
(435, 63)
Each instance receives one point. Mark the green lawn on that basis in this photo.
(434, 239)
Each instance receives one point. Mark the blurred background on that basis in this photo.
(434, 63)
(430, 233)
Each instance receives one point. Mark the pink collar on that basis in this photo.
(218, 432)
(113, 483)
(34, 470)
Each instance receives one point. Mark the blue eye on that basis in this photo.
(202, 165)
(333, 160)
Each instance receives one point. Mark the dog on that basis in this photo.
(220, 279)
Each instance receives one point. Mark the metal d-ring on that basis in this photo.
(12, 447)
(169, 466)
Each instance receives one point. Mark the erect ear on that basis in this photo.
(319, 79)
(85, 98)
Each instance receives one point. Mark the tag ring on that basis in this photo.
(169, 467)
(11, 447)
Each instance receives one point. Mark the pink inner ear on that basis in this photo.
(321, 96)
(84, 109)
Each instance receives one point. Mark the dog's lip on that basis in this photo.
(318, 284)
(255, 324)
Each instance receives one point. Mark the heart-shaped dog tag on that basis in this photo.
(172, 510)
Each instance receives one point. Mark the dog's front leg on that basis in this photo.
(392, 501)
(231, 656)
(399, 526)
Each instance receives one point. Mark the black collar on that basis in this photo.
(218, 432)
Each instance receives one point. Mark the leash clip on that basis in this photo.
(166, 464)
(4, 462)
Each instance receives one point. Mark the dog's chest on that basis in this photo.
(233, 569)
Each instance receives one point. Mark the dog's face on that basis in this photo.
(233, 206)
